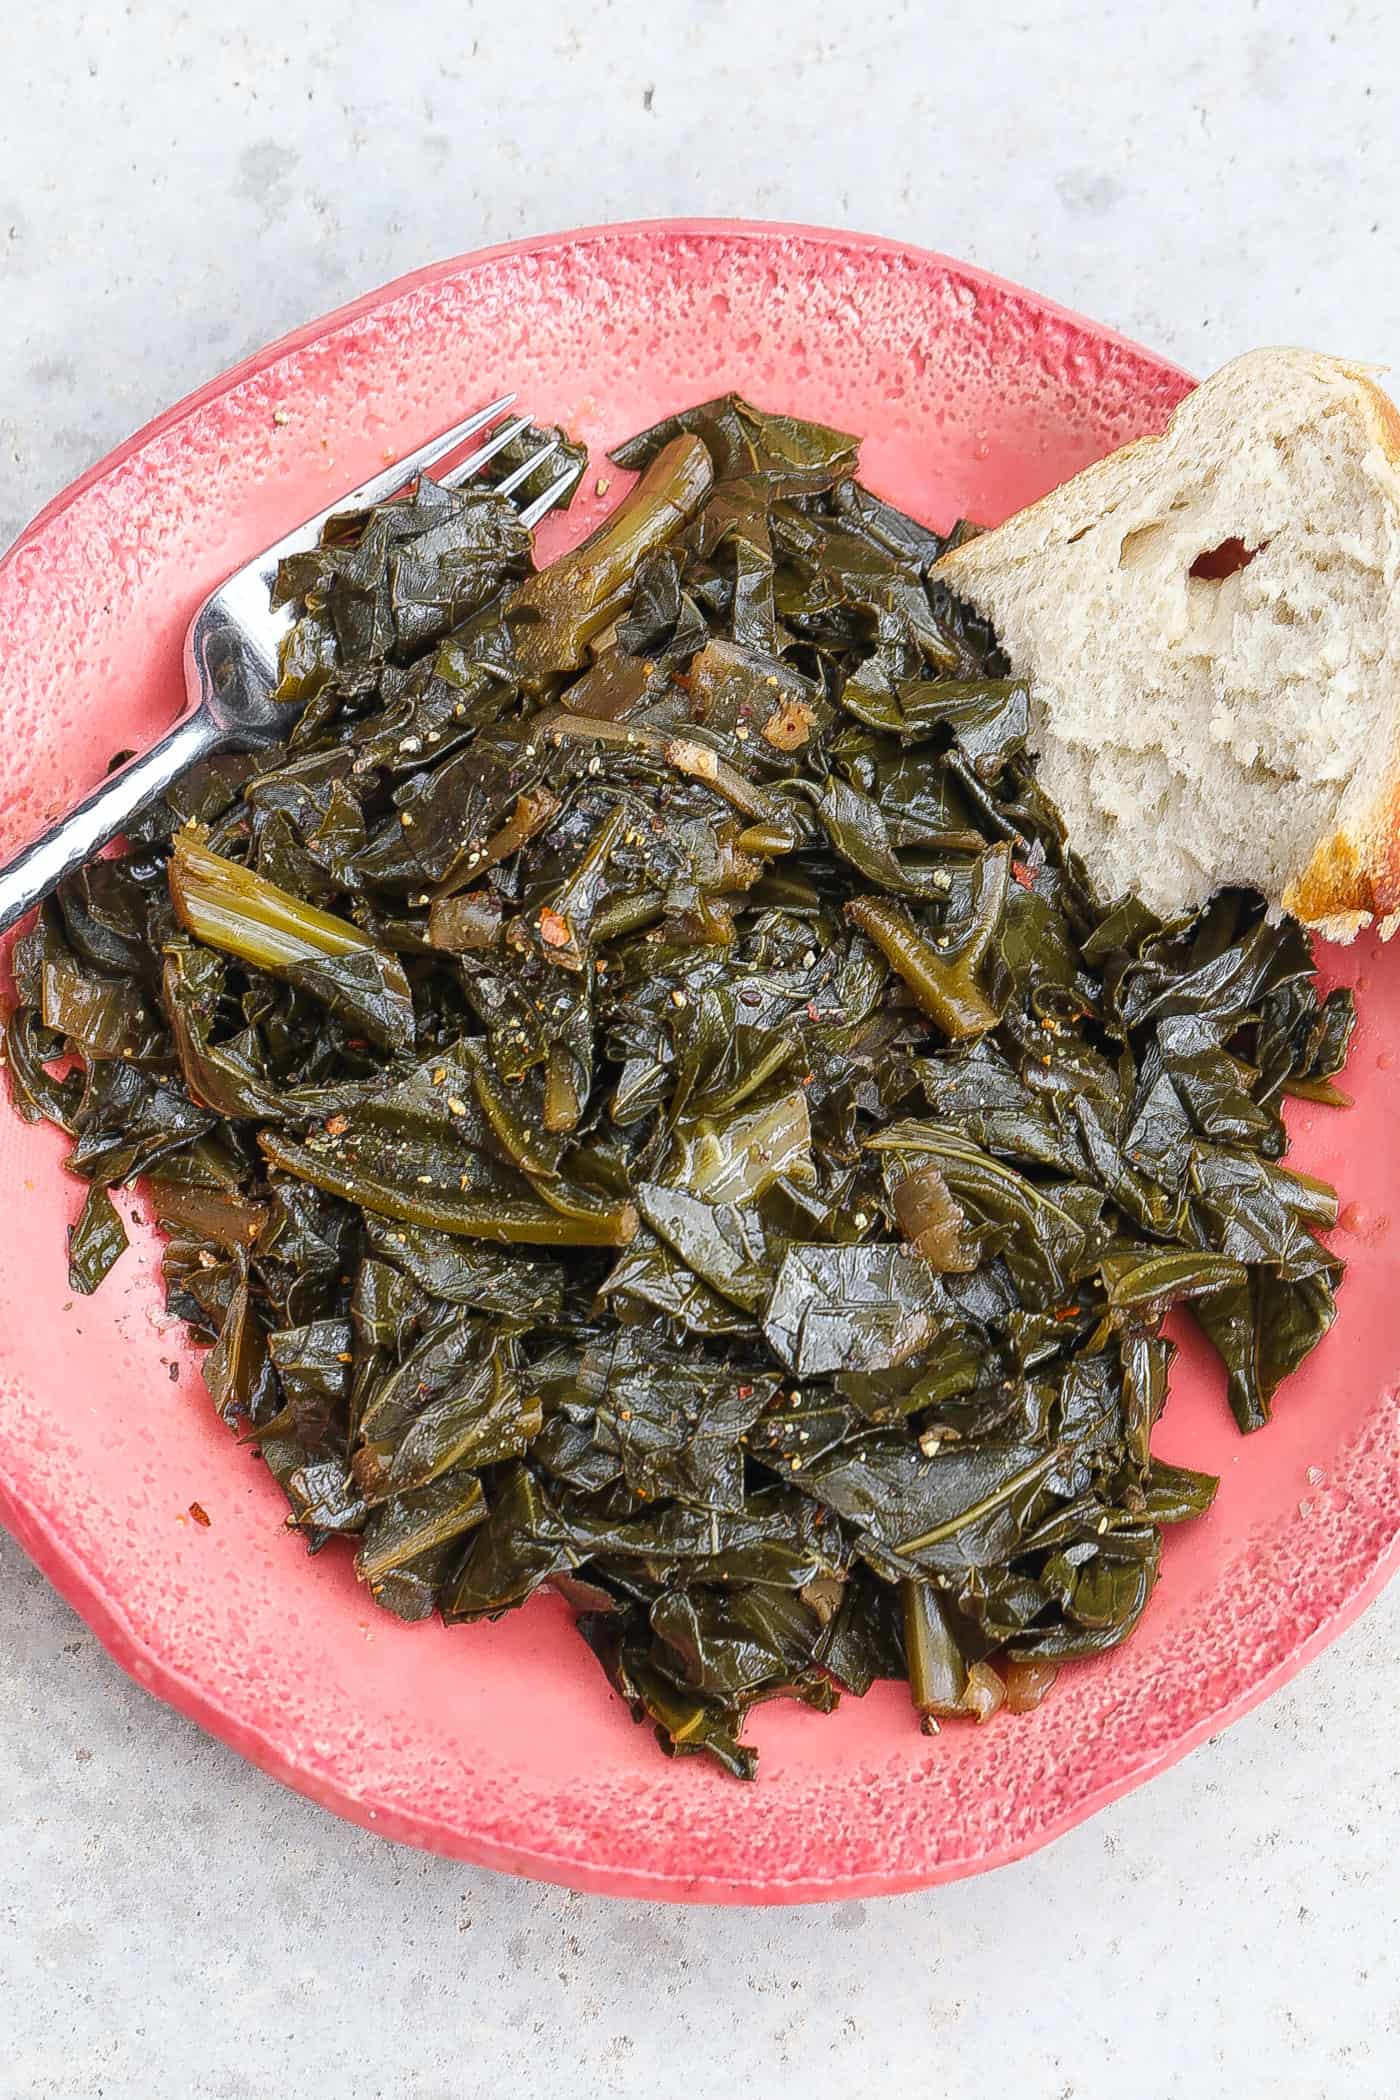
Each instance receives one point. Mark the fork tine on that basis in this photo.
(380, 487)
(497, 442)
(526, 468)
(533, 512)
(392, 478)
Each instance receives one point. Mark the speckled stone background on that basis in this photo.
(179, 185)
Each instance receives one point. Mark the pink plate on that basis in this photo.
(501, 1744)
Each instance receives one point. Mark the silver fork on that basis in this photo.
(230, 661)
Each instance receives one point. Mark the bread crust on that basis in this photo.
(1352, 877)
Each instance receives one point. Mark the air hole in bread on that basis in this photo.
(1138, 547)
(1216, 563)
(1263, 775)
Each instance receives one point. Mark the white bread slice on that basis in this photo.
(1243, 728)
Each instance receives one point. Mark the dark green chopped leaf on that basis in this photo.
(1263, 1327)
(1146, 1276)
(313, 1365)
(863, 1639)
(937, 1664)
(101, 1017)
(850, 1309)
(1046, 1232)
(747, 444)
(458, 1272)
(643, 1103)
(683, 1721)
(727, 1245)
(230, 908)
(1258, 1212)
(677, 1430)
(95, 1241)
(523, 1542)
(478, 1421)
(407, 1529)
(653, 1275)
(1174, 1494)
(235, 1370)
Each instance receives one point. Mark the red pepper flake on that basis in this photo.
(336, 1126)
(789, 726)
(1022, 874)
(1066, 1312)
(554, 929)
(745, 1391)
(200, 1514)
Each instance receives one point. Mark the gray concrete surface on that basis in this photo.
(178, 185)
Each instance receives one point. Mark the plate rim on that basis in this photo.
(325, 325)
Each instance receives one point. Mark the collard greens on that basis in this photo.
(644, 1104)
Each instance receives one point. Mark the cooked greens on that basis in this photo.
(644, 1104)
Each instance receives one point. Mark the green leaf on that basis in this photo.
(644, 1103)
(863, 1308)
(95, 1242)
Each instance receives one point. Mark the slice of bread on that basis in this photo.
(1209, 623)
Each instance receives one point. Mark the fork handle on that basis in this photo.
(96, 820)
